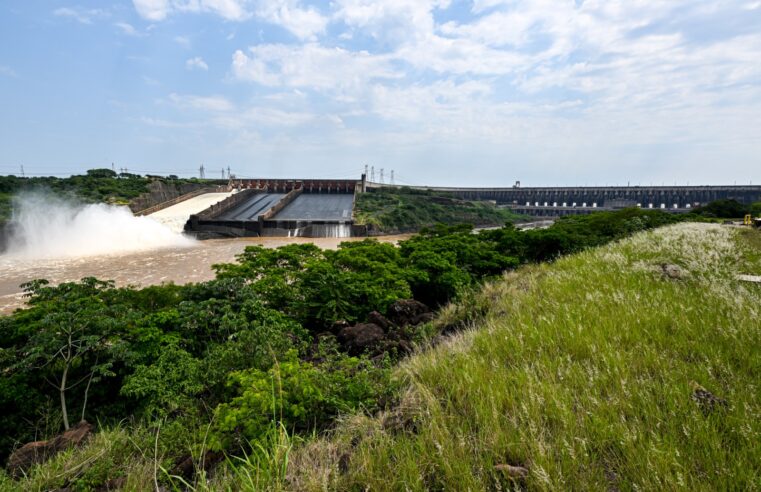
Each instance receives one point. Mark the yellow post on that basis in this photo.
(748, 220)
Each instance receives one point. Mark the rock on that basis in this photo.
(40, 451)
(377, 318)
(706, 400)
(359, 338)
(405, 311)
(672, 271)
(423, 318)
(338, 326)
(514, 472)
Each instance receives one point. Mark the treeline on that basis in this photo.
(728, 209)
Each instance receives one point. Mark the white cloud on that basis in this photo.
(203, 103)
(390, 20)
(312, 66)
(182, 41)
(83, 16)
(303, 22)
(128, 29)
(154, 10)
(196, 63)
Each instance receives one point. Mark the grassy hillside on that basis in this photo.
(405, 209)
(583, 372)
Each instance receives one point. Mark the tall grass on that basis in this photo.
(583, 372)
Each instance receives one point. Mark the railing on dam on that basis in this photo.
(307, 185)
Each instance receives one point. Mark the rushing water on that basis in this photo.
(45, 226)
(142, 268)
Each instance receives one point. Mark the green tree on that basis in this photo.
(74, 342)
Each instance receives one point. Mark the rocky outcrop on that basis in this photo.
(378, 335)
(40, 451)
(361, 338)
(407, 312)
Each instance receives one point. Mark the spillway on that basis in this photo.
(177, 215)
(281, 207)
(254, 207)
(327, 207)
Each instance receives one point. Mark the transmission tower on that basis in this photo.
(381, 176)
(372, 174)
(365, 171)
(392, 176)
(228, 172)
(22, 171)
(201, 172)
(223, 173)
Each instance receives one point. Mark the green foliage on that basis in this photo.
(406, 209)
(297, 395)
(168, 385)
(723, 209)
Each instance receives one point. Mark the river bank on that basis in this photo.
(180, 265)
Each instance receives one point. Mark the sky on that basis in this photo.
(443, 92)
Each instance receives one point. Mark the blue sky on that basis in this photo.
(476, 92)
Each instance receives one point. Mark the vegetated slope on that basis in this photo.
(405, 209)
(594, 373)
(579, 371)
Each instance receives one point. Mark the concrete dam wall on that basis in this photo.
(256, 212)
(556, 201)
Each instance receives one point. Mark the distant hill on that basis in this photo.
(390, 210)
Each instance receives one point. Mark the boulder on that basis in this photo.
(360, 338)
(404, 312)
(672, 271)
(40, 451)
(377, 318)
(513, 472)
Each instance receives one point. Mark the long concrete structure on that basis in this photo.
(570, 200)
(316, 207)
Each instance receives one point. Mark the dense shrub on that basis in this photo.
(298, 395)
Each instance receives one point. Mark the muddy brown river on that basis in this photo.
(176, 264)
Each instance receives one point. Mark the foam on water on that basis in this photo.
(44, 226)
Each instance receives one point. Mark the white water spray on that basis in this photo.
(46, 226)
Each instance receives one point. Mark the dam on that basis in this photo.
(280, 208)
(325, 208)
